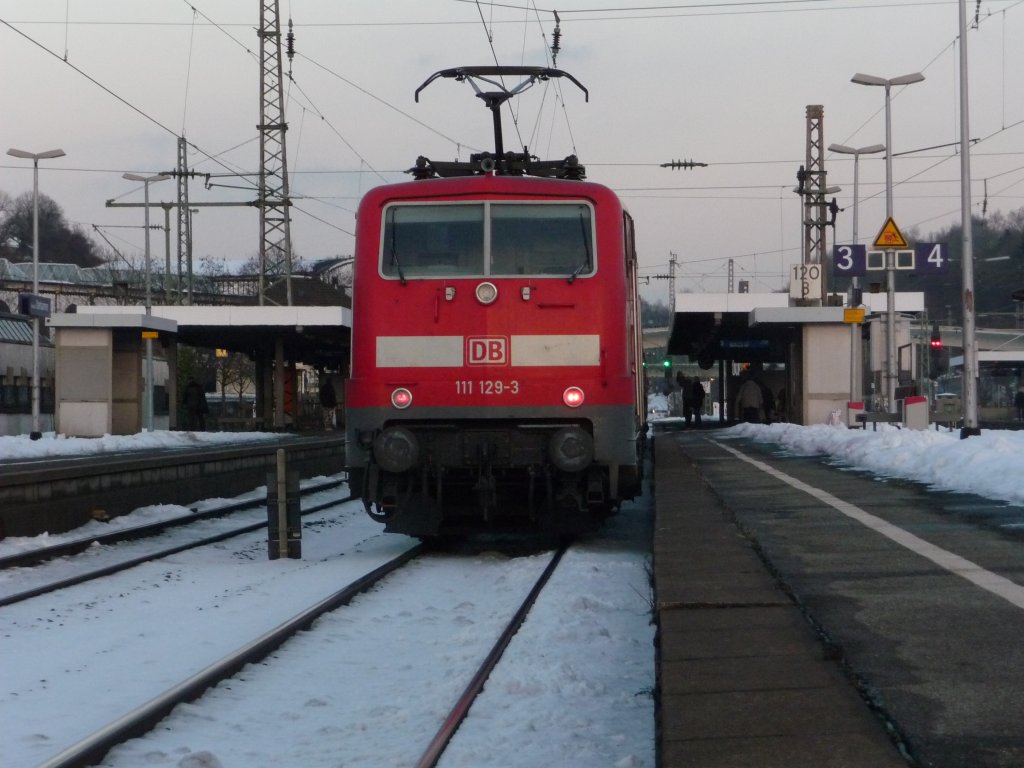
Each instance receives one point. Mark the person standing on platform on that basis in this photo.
(684, 396)
(196, 407)
(328, 401)
(1018, 403)
(749, 402)
(697, 400)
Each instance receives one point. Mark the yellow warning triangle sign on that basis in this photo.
(890, 236)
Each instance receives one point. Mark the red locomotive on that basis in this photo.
(496, 376)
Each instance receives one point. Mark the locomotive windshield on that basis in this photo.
(492, 239)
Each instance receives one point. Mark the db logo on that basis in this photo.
(487, 350)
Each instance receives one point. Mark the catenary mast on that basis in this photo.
(273, 201)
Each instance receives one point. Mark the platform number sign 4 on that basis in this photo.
(931, 257)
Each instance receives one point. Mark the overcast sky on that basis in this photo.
(722, 82)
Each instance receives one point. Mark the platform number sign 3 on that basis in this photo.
(849, 260)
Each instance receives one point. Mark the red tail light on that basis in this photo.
(401, 398)
(573, 397)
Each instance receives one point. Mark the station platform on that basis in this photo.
(744, 678)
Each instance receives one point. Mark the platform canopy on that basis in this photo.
(709, 327)
(314, 335)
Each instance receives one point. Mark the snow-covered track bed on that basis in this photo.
(388, 679)
(80, 658)
(142, 719)
(368, 684)
(79, 559)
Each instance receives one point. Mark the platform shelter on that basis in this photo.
(275, 337)
(100, 386)
(811, 358)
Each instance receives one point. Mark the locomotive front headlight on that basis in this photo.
(396, 450)
(573, 397)
(486, 293)
(571, 449)
(401, 398)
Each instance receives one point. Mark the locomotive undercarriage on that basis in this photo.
(487, 477)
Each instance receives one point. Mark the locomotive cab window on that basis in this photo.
(433, 241)
(541, 239)
(488, 239)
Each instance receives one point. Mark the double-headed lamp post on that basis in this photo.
(147, 405)
(891, 373)
(35, 157)
(842, 149)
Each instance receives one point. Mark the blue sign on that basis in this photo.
(857, 261)
(35, 306)
(744, 343)
(849, 260)
(931, 258)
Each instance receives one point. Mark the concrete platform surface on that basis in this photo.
(744, 680)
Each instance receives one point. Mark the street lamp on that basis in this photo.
(147, 404)
(842, 149)
(35, 157)
(891, 374)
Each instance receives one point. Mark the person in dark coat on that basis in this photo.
(196, 407)
(328, 402)
(684, 395)
(1018, 403)
(697, 400)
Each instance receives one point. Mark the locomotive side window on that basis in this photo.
(433, 240)
(484, 239)
(541, 239)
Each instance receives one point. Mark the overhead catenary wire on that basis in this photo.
(188, 71)
(493, 22)
(494, 55)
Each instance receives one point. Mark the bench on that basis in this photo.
(863, 419)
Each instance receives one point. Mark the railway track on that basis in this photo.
(149, 530)
(99, 744)
(62, 493)
(94, 747)
(461, 707)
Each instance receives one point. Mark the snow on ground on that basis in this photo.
(51, 445)
(76, 658)
(990, 464)
(577, 689)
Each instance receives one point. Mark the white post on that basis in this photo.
(970, 346)
(35, 157)
(147, 393)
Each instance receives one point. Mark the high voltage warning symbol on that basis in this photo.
(890, 236)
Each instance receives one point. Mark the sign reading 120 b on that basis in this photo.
(858, 261)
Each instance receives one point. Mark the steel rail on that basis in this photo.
(124, 565)
(458, 713)
(139, 531)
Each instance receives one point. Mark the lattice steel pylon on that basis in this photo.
(273, 200)
(184, 223)
(814, 193)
